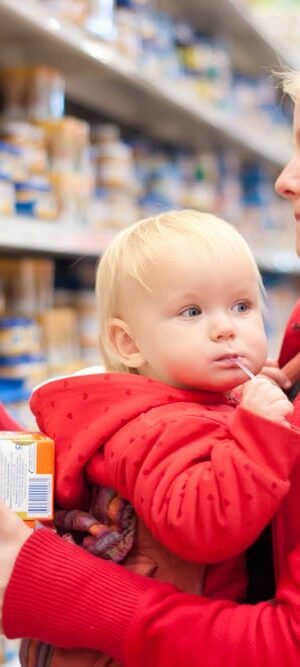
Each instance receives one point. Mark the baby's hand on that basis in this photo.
(266, 399)
(272, 371)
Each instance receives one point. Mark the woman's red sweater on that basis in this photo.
(65, 596)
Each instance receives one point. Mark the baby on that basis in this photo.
(180, 306)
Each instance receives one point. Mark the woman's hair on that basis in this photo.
(289, 81)
(138, 247)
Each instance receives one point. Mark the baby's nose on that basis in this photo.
(222, 328)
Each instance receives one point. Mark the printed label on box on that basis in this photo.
(26, 479)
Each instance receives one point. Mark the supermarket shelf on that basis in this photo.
(253, 47)
(20, 235)
(99, 77)
(58, 239)
(278, 261)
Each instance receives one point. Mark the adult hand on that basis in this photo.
(13, 534)
(272, 371)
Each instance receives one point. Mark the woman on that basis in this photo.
(56, 592)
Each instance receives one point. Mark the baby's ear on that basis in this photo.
(123, 345)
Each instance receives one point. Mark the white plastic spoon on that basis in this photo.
(244, 368)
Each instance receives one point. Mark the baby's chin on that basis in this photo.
(219, 385)
(223, 387)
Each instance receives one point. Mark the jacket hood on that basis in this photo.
(82, 411)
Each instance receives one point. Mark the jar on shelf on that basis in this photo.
(46, 97)
(19, 335)
(10, 161)
(36, 199)
(31, 368)
(98, 210)
(34, 92)
(114, 165)
(88, 325)
(100, 20)
(67, 141)
(7, 196)
(60, 339)
(26, 285)
(75, 11)
(29, 141)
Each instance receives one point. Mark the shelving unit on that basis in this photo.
(237, 21)
(277, 261)
(101, 79)
(20, 235)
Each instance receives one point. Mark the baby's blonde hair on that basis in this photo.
(133, 251)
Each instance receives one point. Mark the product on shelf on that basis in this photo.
(32, 92)
(12, 162)
(22, 363)
(24, 172)
(100, 19)
(7, 197)
(113, 160)
(67, 141)
(35, 198)
(96, 16)
(19, 335)
(74, 11)
(30, 368)
(205, 65)
(27, 284)
(127, 30)
(88, 326)
(204, 183)
(114, 204)
(28, 143)
(60, 340)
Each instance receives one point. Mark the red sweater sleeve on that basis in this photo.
(60, 594)
(7, 423)
(291, 339)
(205, 489)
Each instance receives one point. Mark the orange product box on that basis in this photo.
(27, 474)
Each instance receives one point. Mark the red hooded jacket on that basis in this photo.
(204, 476)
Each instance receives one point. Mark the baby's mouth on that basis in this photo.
(230, 357)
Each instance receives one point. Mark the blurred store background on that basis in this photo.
(112, 110)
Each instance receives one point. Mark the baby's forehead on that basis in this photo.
(191, 264)
(181, 249)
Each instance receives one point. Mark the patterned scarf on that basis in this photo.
(108, 531)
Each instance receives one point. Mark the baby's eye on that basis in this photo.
(241, 307)
(191, 311)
